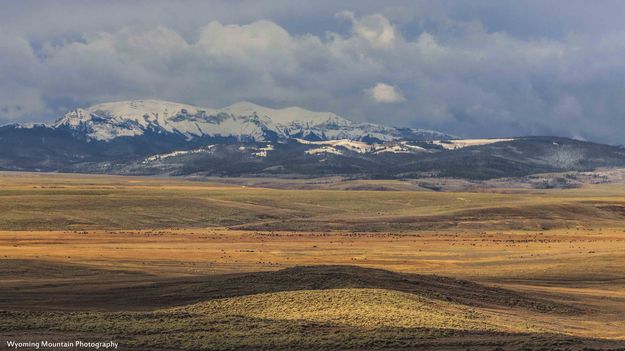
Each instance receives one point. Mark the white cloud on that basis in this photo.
(260, 38)
(385, 94)
(376, 29)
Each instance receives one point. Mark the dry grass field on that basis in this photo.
(174, 264)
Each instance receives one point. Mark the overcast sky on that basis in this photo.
(471, 68)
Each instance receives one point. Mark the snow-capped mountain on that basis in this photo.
(243, 121)
(244, 139)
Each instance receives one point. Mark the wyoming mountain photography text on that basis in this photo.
(44, 344)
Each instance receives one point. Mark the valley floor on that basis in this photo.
(166, 264)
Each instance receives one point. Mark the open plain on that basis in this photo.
(174, 264)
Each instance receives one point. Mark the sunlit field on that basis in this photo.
(162, 263)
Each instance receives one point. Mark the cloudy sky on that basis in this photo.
(471, 68)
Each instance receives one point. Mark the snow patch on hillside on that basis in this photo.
(356, 146)
(333, 146)
(160, 157)
(399, 148)
(462, 143)
(262, 152)
(324, 150)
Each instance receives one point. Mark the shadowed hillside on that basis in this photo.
(312, 307)
(178, 291)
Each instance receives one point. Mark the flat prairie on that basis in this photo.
(176, 264)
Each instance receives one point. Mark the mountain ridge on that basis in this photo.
(243, 120)
(154, 137)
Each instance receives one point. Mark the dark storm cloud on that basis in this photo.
(478, 69)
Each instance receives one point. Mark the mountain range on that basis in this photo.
(244, 139)
(243, 121)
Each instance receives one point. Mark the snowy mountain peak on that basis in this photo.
(242, 121)
(243, 107)
(73, 118)
(135, 110)
(285, 115)
(138, 108)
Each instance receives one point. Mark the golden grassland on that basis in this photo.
(66, 202)
(177, 264)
